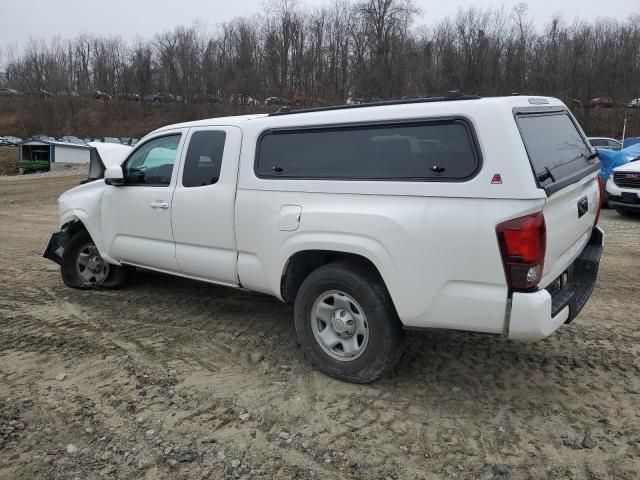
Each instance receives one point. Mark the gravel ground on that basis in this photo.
(170, 378)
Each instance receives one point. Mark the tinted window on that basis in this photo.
(204, 159)
(598, 142)
(152, 163)
(554, 143)
(443, 150)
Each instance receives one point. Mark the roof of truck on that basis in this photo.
(340, 110)
(236, 120)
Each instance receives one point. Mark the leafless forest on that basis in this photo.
(323, 54)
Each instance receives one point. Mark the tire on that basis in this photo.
(366, 348)
(105, 275)
(627, 213)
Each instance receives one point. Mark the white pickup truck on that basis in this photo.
(456, 212)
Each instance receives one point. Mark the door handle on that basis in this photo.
(159, 204)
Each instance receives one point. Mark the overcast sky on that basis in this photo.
(21, 19)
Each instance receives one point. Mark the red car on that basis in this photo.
(600, 102)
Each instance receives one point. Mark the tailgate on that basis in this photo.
(564, 166)
(570, 215)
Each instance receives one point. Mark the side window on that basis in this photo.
(424, 151)
(152, 163)
(204, 158)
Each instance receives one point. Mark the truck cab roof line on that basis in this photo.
(445, 98)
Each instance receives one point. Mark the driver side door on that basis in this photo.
(136, 216)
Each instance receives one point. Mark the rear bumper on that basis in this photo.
(537, 315)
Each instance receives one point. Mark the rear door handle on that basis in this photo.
(159, 204)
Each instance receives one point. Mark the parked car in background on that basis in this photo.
(242, 99)
(606, 143)
(208, 98)
(162, 97)
(100, 95)
(39, 93)
(72, 139)
(355, 101)
(600, 102)
(635, 103)
(276, 101)
(360, 217)
(111, 140)
(129, 97)
(12, 141)
(9, 92)
(45, 138)
(628, 141)
(300, 100)
(611, 160)
(623, 186)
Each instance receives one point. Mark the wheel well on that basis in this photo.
(74, 227)
(301, 264)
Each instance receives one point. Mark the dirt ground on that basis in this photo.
(8, 160)
(170, 378)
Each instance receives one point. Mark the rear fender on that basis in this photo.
(362, 246)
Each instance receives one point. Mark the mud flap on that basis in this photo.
(55, 247)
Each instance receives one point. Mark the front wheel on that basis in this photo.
(84, 268)
(346, 322)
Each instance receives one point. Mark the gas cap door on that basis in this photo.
(289, 218)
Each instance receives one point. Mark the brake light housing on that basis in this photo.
(523, 245)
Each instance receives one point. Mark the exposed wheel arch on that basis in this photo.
(74, 226)
(301, 264)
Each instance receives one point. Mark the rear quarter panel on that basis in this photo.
(438, 257)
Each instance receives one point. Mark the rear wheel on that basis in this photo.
(84, 268)
(346, 322)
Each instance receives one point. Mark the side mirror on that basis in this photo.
(113, 176)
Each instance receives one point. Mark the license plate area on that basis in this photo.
(630, 197)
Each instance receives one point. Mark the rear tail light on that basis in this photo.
(600, 196)
(523, 244)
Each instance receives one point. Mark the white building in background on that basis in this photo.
(52, 152)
